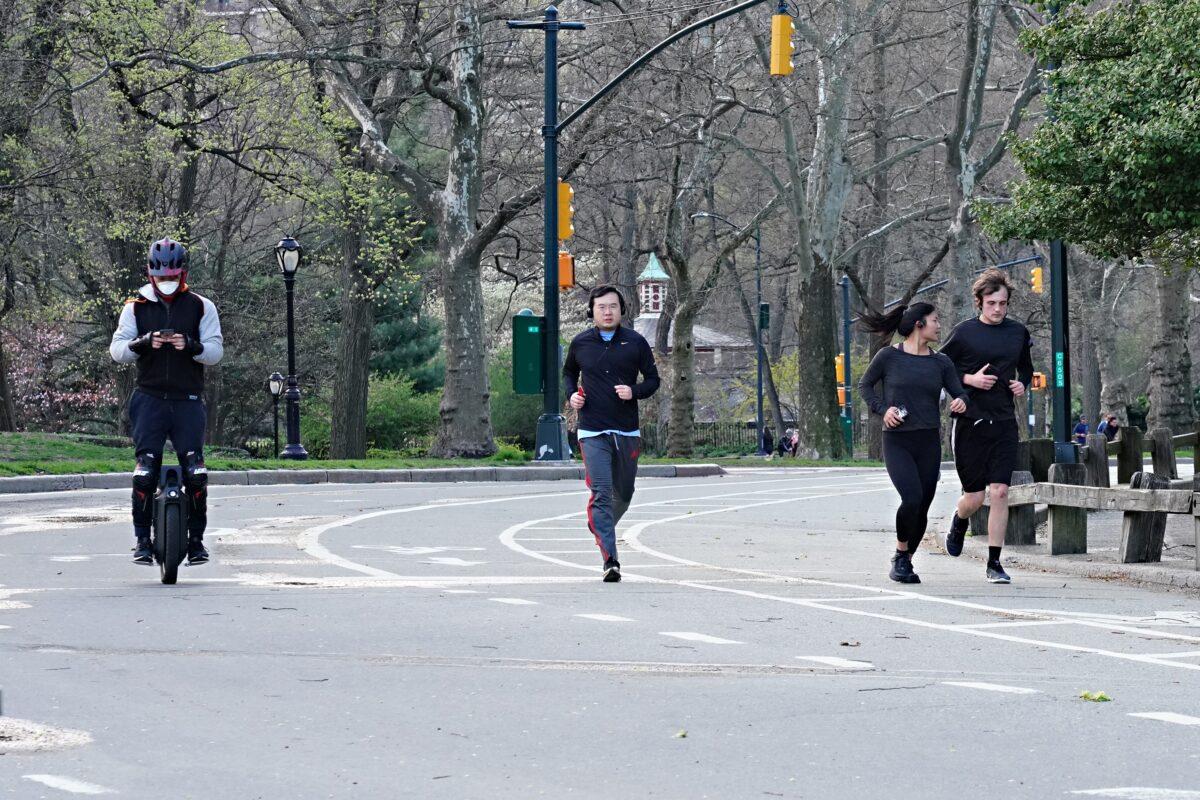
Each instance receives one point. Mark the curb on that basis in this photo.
(1027, 557)
(278, 477)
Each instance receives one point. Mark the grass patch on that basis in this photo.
(66, 454)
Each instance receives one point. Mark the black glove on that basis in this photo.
(193, 347)
(141, 344)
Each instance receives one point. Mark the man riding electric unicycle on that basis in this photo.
(172, 333)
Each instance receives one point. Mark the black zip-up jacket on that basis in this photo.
(602, 365)
(168, 373)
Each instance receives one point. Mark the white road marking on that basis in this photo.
(1168, 716)
(591, 551)
(461, 591)
(991, 687)
(267, 562)
(507, 537)
(1020, 623)
(605, 617)
(839, 663)
(69, 559)
(450, 561)
(691, 636)
(415, 551)
(1188, 654)
(1141, 793)
(513, 601)
(553, 538)
(69, 784)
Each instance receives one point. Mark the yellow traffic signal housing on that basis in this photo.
(566, 270)
(1035, 280)
(1039, 381)
(841, 396)
(839, 367)
(782, 28)
(566, 211)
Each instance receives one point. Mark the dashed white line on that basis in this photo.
(1020, 623)
(1168, 716)
(605, 617)
(513, 601)
(839, 663)
(691, 636)
(991, 687)
(1141, 793)
(69, 784)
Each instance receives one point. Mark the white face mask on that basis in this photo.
(167, 288)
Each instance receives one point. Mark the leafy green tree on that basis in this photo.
(1116, 166)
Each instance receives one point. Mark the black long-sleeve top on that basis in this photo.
(602, 365)
(1006, 346)
(914, 382)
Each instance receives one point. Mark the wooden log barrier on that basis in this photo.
(1067, 526)
(1162, 453)
(1129, 454)
(1142, 531)
(1096, 460)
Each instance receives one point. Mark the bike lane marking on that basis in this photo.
(991, 687)
(72, 785)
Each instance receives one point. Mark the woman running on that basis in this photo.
(913, 378)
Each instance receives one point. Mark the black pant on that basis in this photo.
(610, 464)
(153, 420)
(913, 460)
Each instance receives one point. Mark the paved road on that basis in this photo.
(455, 641)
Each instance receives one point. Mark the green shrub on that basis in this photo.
(510, 453)
(398, 419)
(514, 416)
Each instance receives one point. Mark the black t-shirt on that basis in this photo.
(914, 382)
(1006, 346)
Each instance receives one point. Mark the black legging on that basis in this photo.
(913, 460)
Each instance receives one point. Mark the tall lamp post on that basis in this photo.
(275, 387)
(760, 323)
(287, 254)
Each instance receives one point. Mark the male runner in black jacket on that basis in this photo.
(601, 379)
(991, 353)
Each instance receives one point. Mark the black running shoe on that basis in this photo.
(197, 553)
(143, 553)
(612, 571)
(996, 573)
(902, 569)
(954, 539)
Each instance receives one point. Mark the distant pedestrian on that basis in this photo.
(913, 378)
(992, 355)
(1081, 431)
(1111, 427)
(601, 378)
(785, 443)
(768, 441)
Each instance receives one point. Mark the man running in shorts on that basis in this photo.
(601, 379)
(992, 355)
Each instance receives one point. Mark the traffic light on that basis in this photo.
(781, 44)
(841, 396)
(839, 367)
(566, 211)
(566, 270)
(1035, 280)
(1039, 381)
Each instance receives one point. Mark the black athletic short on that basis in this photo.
(984, 452)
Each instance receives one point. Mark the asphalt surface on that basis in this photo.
(455, 641)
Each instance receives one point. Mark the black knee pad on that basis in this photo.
(145, 481)
(195, 480)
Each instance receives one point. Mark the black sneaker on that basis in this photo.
(143, 553)
(954, 539)
(612, 571)
(902, 569)
(197, 553)
(996, 573)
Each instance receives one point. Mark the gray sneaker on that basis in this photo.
(996, 573)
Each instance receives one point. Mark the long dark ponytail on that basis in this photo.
(901, 319)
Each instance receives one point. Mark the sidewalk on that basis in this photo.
(1176, 570)
(272, 477)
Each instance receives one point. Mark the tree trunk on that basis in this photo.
(466, 423)
(1114, 395)
(683, 395)
(348, 430)
(817, 420)
(8, 411)
(1170, 361)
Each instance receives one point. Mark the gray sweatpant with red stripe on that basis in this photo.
(610, 463)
